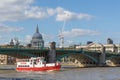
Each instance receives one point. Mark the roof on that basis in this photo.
(37, 35)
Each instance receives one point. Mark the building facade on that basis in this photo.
(98, 47)
(5, 59)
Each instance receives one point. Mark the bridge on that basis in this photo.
(81, 58)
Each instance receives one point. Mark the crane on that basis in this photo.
(61, 31)
(61, 35)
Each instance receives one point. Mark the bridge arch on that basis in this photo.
(68, 54)
(113, 60)
(111, 57)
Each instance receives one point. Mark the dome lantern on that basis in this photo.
(37, 29)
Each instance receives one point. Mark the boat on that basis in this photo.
(36, 64)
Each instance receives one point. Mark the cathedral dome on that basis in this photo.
(37, 35)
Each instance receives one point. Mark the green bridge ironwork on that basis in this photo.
(60, 53)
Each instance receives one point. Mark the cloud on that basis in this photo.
(79, 32)
(35, 12)
(7, 29)
(28, 38)
(15, 10)
(47, 37)
(1, 37)
(67, 15)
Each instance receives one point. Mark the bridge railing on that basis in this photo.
(13, 47)
(47, 48)
(66, 48)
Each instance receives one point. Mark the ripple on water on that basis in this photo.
(2, 78)
(64, 74)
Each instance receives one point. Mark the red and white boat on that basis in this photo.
(36, 64)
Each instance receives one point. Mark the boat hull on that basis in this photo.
(46, 68)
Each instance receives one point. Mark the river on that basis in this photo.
(68, 73)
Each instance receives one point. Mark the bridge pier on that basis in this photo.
(102, 57)
(52, 53)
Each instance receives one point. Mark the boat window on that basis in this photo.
(23, 60)
(27, 60)
(34, 62)
(23, 65)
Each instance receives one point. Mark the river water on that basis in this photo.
(68, 73)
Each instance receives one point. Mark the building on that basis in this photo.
(11, 42)
(109, 46)
(98, 47)
(109, 41)
(3, 59)
(6, 59)
(37, 39)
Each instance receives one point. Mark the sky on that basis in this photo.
(79, 20)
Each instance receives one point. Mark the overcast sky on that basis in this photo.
(81, 20)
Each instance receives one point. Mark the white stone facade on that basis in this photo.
(97, 47)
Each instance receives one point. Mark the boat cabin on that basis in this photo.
(33, 61)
